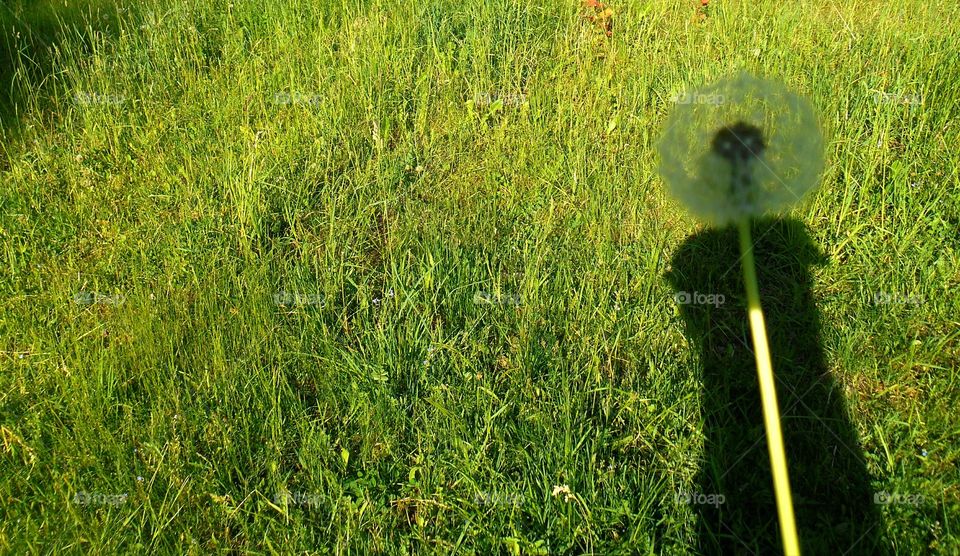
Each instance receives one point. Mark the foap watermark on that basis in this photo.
(296, 98)
(700, 499)
(881, 97)
(485, 498)
(697, 98)
(884, 498)
(297, 299)
(301, 499)
(886, 298)
(483, 100)
(97, 298)
(83, 498)
(487, 298)
(697, 298)
(90, 99)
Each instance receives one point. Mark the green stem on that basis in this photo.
(768, 394)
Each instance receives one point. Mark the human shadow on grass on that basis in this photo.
(834, 505)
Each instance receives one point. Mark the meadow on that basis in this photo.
(396, 277)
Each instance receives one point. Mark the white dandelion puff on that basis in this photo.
(759, 151)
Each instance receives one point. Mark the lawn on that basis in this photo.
(397, 277)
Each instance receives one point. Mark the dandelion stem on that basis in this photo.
(768, 394)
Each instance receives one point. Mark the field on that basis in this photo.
(402, 277)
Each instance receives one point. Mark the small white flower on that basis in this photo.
(564, 490)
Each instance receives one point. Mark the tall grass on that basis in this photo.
(405, 260)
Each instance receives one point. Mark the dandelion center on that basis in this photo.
(739, 142)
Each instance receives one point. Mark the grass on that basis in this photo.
(412, 263)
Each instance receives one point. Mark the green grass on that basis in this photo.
(458, 207)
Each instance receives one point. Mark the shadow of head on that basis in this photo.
(830, 485)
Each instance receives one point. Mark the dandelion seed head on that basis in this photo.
(755, 147)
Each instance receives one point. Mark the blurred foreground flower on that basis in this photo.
(742, 147)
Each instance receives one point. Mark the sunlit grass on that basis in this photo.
(180, 165)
